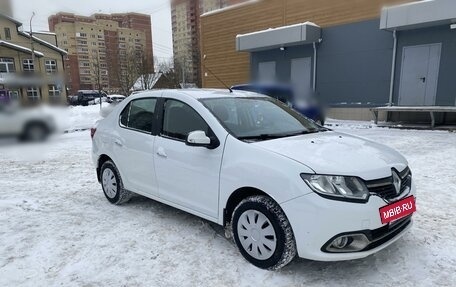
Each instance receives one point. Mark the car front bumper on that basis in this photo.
(316, 221)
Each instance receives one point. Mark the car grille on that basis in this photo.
(385, 187)
(387, 232)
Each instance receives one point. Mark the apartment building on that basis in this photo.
(31, 68)
(103, 49)
(186, 40)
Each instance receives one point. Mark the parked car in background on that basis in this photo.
(73, 100)
(280, 183)
(27, 124)
(307, 106)
(115, 98)
(86, 97)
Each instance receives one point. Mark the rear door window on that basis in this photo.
(139, 115)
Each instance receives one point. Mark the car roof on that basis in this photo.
(200, 93)
(264, 86)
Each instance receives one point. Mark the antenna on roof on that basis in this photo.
(213, 74)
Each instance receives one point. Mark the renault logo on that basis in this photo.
(397, 182)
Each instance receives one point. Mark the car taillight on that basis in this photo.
(92, 132)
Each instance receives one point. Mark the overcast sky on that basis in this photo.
(158, 9)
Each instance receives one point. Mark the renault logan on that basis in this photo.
(282, 185)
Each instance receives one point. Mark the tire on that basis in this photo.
(35, 132)
(264, 211)
(112, 184)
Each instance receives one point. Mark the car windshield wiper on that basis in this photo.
(277, 136)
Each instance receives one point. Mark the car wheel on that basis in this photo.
(112, 185)
(263, 233)
(35, 132)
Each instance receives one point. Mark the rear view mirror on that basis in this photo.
(198, 138)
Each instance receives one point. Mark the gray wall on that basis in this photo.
(282, 59)
(446, 88)
(353, 64)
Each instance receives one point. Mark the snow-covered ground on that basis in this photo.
(57, 228)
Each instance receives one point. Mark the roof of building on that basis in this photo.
(45, 33)
(10, 19)
(19, 48)
(26, 34)
(291, 35)
(419, 14)
(153, 79)
(44, 43)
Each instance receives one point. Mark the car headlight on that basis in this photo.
(346, 188)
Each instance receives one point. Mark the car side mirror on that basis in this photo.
(200, 139)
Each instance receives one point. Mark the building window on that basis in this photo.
(54, 93)
(14, 95)
(33, 94)
(51, 66)
(28, 65)
(7, 65)
(7, 34)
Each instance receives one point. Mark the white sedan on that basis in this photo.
(281, 185)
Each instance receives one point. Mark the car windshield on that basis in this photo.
(259, 119)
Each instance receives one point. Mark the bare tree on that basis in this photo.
(97, 75)
(129, 70)
(147, 77)
(170, 76)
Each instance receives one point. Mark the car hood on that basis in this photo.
(334, 153)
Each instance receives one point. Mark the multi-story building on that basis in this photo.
(186, 43)
(103, 49)
(31, 67)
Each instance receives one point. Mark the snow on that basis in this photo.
(57, 228)
(278, 29)
(230, 7)
(80, 118)
(21, 48)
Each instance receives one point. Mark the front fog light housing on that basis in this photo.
(346, 188)
(348, 243)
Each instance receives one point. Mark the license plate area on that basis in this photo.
(398, 210)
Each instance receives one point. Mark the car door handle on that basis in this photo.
(161, 152)
(118, 143)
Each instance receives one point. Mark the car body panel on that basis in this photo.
(332, 153)
(316, 220)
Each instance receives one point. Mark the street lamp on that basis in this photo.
(31, 40)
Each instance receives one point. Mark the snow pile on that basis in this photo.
(57, 228)
(81, 118)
